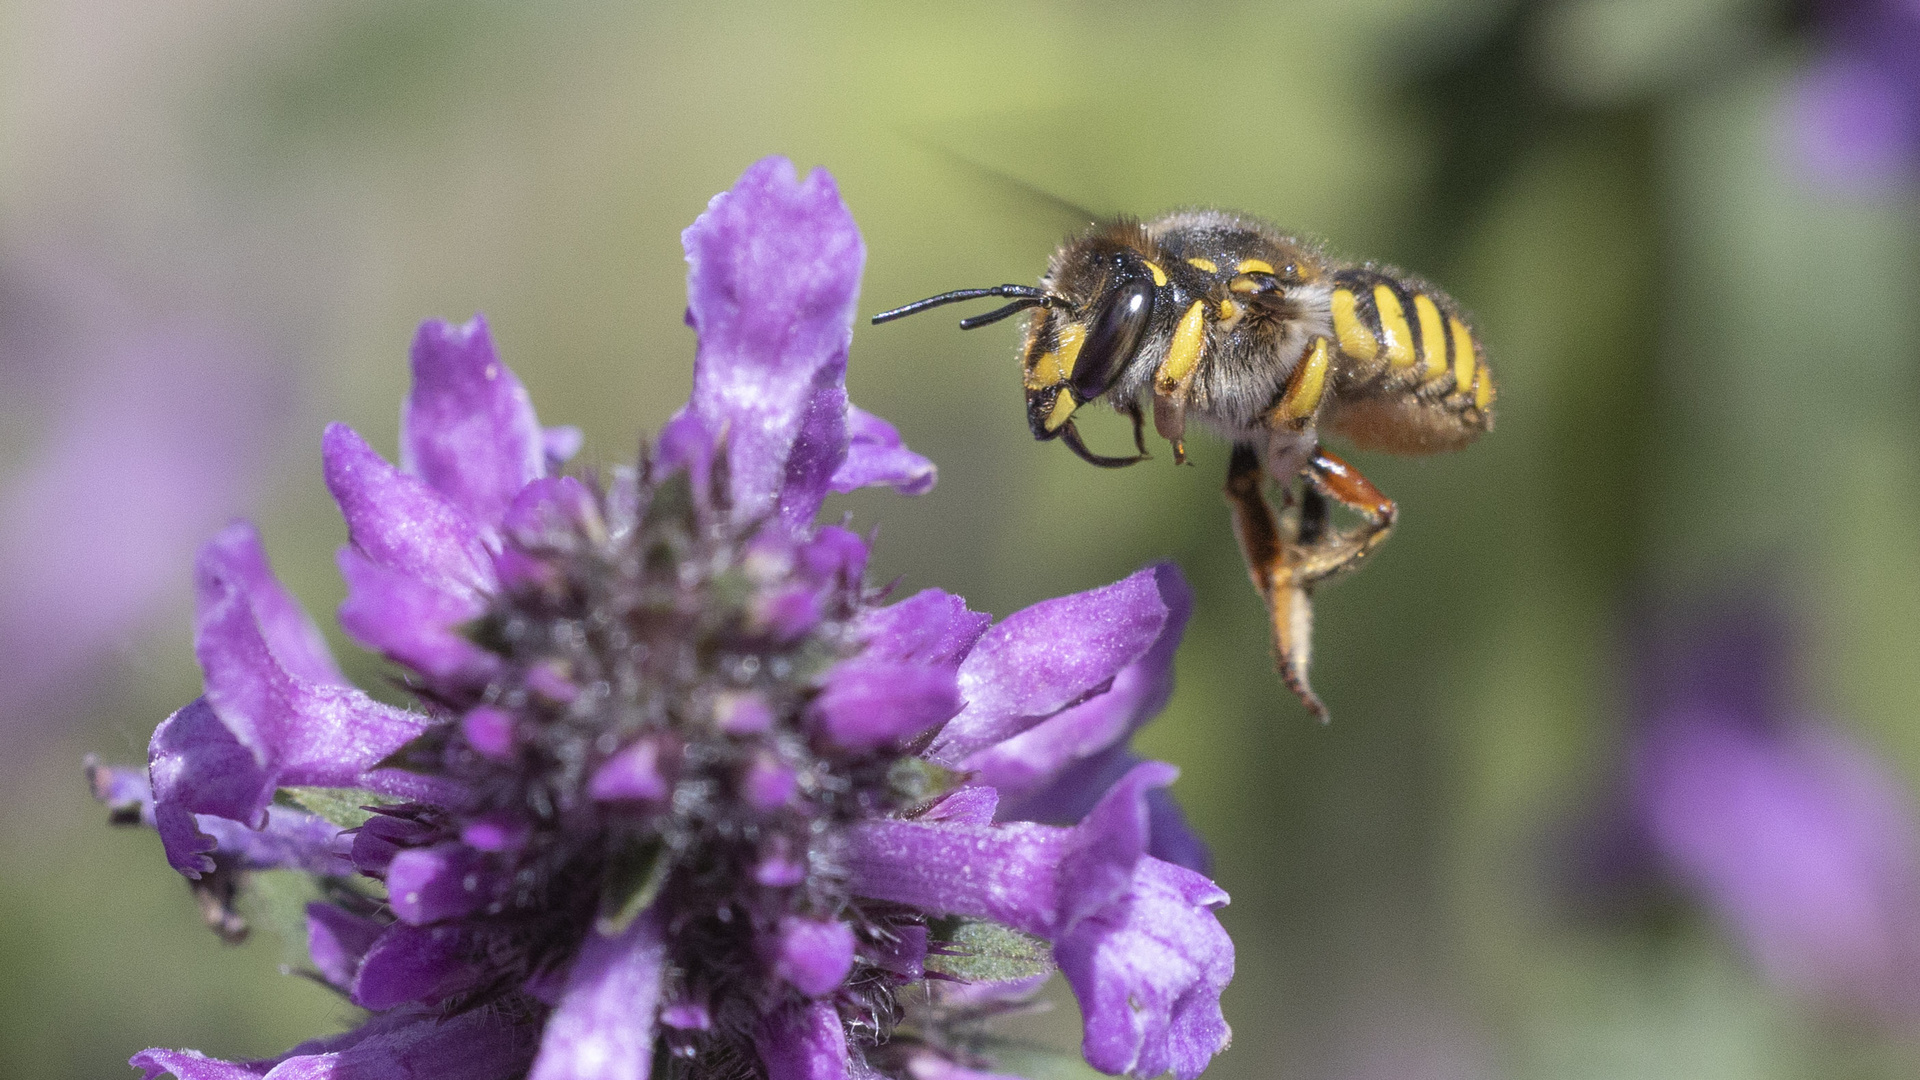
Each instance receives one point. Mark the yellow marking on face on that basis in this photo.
(1306, 386)
(1433, 338)
(1483, 392)
(1462, 354)
(1253, 266)
(1229, 310)
(1355, 339)
(1393, 327)
(1184, 351)
(1063, 407)
(1159, 275)
(1207, 265)
(1053, 368)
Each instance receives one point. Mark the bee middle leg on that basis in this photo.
(1274, 555)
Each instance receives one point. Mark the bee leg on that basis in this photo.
(1272, 562)
(1170, 421)
(1139, 429)
(1325, 553)
(1071, 436)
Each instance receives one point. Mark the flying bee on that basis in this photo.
(1221, 318)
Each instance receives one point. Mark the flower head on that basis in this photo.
(680, 782)
(1782, 827)
(1854, 116)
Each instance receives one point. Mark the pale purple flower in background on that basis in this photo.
(146, 434)
(680, 782)
(1852, 119)
(1790, 833)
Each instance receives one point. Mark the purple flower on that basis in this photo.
(154, 443)
(679, 782)
(1853, 119)
(1790, 833)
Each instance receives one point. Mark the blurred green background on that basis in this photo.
(1707, 368)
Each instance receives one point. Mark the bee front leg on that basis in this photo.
(1273, 561)
(1325, 553)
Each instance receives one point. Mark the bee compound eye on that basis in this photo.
(1113, 335)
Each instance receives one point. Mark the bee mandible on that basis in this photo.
(1218, 317)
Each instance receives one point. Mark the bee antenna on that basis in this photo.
(1026, 296)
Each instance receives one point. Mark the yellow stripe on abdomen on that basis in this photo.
(1433, 338)
(1462, 356)
(1356, 340)
(1394, 332)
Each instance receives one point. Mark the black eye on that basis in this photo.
(1112, 337)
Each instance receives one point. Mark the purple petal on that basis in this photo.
(1853, 126)
(742, 712)
(411, 622)
(561, 443)
(774, 269)
(489, 731)
(383, 836)
(1136, 937)
(929, 627)
(768, 784)
(971, 805)
(549, 511)
(414, 963)
(402, 1045)
(445, 881)
(869, 703)
(835, 553)
(814, 955)
(155, 437)
(1148, 971)
(296, 642)
(876, 455)
(468, 427)
(194, 1065)
(299, 731)
(905, 954)
(1139, 943)
(1072, 794)
(633, 773)
(285, 840)
(400, 523)
(1049, 656)
(1025, 765)
(1008, 873)
(603, 1028)
(806, 1043)
(198, 767)
(290, 840)
(1799, 840)
(337, 939)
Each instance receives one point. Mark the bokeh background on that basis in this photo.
(1687, 230)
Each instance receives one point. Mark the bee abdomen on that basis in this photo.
(1415, 379)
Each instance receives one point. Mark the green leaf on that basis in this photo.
(342, 806)
(916, 780)
(981, 951)
(276, 901)
(635, 875)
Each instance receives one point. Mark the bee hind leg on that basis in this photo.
(1325, 552)
(1274, 560)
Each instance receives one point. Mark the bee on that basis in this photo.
(1266, 339)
